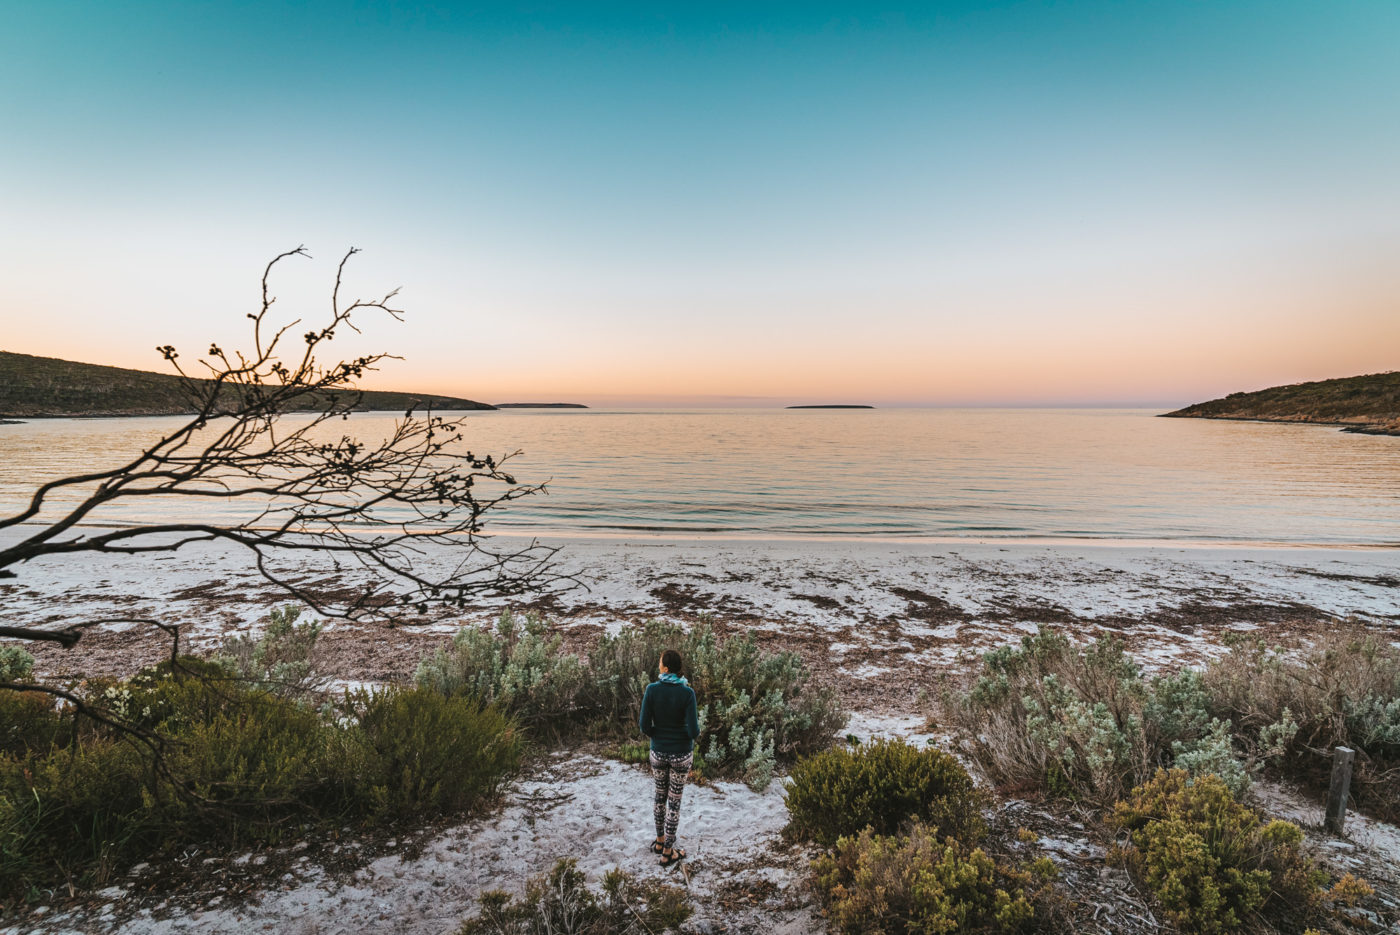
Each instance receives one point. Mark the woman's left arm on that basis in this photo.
(692, 723)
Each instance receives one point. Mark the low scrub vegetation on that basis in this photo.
(1343, 690)
(902, 827)
(917, 882)
(282, 659)
(1085, 723)
(1170, 759)
(516, 666)
(233, 763)
(560, 903)
(757, 709)
(882, 785)
(1211, 862)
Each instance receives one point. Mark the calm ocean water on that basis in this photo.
(891, 473)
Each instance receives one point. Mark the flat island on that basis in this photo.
(540, 406)
(832, 406)
(1368, 404)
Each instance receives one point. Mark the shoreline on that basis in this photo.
(757, 537)
(1354, 428)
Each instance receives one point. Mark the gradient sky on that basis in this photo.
(946, 203)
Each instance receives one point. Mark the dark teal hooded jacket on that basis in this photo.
(668, 717)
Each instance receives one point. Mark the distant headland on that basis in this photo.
(832, 406)
(1369, 404)
(540, 406)
(40, 387)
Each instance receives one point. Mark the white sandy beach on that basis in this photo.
(864, 613)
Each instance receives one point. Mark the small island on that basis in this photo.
(1368, 404)
(832, 406)
(540, 406)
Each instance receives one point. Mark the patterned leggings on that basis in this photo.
(670, 770)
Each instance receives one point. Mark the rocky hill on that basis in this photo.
(36, 387)
(1368, 404)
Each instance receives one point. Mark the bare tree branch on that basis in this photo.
(264, 442)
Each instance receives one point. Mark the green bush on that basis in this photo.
(517, 668)
(639, 752)
(29, 721)
(282, 660)
(621, 666)
(1211, 862)
(920, 885)
(1343, 690)
(560, 903)
(1084, 722)
(16, 665)
(429, 754)
(237, 764)
(756, 708)
(882, 785)
(71, 815)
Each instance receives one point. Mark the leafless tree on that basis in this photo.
(265, 434)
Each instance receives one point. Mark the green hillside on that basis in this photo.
(45, 386)
(1369, 404)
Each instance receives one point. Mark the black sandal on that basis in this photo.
(657, 847)
(677, 855)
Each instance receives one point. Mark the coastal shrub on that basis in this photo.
(29, 721)
(560, 903)
(621, 665)
(517, 666)
(921, 884)
(639, 752)
(283, 659)
(429, 754)
(1343, 690)
(260, 760)
(883, 785)
(1083, 722)
(233, 765)
(16, 665)
(757, 708)
(73, 815)
(228, 762)
(1211, 862)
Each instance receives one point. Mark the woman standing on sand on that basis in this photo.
(668, 718)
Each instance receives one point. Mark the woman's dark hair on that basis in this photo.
(671, 659)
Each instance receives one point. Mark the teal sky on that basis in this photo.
(946, 203)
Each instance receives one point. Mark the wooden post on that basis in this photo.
(1340, 788)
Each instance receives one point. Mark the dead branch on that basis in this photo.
(302, 489)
